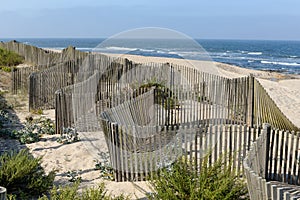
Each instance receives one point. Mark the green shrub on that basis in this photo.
(164, 96)
(4, 118)
(46, 125)
(181, 181)
(33, 130)
(37, 111)
(104, 166)
(71, 193)
(70, 135)
(23, 175)
(74, 175)
(6, 69)
(9, 58)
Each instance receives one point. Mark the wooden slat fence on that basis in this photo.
(272, 165)
(63, 109)
(284, 154)
(20, 77)
(266, 111)
(138, 152)
(75, 105)
(38, 56)
(44, 84)
(241, 107)
(210, 100)
(40, 60)
(76, 110)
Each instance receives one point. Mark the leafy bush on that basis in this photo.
(74, 175)
(9, 58)
(33, 129)
(46, 125)
(22, 174)
(71, 193)
(37, 111)
(4, 118)
(164, 96)
(182, 181)
(28, 134)
(104, 166)
(69, 135)
(6, 69)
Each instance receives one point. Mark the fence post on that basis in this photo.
(58, 112)
(266, 136)
(31, 92)
(251, 101)
(13, 71)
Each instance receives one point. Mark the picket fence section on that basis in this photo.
(272, 165)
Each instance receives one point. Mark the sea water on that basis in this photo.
(281, 56)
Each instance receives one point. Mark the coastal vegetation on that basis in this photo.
(22, 175)
(32, 131)
(164, 96)
(9, 59)
(182, 180)
(69, 135)
(24, 178)
(71, 193)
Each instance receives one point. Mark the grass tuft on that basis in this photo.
(9, 58)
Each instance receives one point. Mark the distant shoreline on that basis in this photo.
(267, 55)
(267, 74)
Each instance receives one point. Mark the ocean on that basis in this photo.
(280, 56)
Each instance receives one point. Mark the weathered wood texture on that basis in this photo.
(272, 167)
(43, 84)
(40, 60)
(235, 101)
(266, 111)
(38, 56)
(138, 152)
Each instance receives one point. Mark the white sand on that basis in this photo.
(76, 156)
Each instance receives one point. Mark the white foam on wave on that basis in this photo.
(187, 53)
(121, 48)
(254, 53)
(279, 63)
(174, 52)
(147, 50)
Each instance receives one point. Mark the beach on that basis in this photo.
(79, 156)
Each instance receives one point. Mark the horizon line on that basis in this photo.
(236, 39)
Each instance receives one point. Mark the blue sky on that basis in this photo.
(204, 19)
